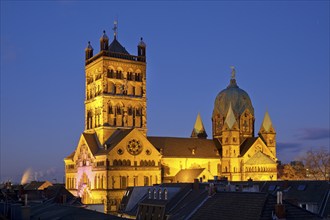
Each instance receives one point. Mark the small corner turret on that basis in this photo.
(104, 42)
(89, 51)
(142, 48)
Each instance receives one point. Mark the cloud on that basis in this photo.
(290, 151)
(285, 145)
(314, 133)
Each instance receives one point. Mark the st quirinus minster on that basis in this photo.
(114, 151)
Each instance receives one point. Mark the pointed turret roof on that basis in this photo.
(89, 46)
(198, 130)
(230, 119)
(266, 123)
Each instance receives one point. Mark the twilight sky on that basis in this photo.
(280, 51)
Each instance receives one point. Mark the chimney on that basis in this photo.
(279, 207)
(25, 199)
(196, 184)
(211, 189)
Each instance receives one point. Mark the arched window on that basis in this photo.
(128, 163)
(141, 163)
(118, 74)
(120, 163)
(138, 111)
(115, 163)
(110, 73)
(119, 110)
(110, 110)
(130, 110)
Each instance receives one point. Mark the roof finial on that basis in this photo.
(115, 28)
(233, 72)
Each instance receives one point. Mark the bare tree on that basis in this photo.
(317, 164)
(293, 171)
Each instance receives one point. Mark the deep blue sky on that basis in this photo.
(280, 51)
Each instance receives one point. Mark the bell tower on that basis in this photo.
(115, 95)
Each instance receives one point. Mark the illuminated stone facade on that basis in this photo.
(114, 152)
(243, 156)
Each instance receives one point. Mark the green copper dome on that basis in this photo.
(235, 96)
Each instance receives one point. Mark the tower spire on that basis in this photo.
(266, 123)
(198, 130)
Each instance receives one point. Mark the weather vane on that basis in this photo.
(115, 27)
(233, 72)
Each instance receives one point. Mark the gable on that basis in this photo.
(259, 159)
(134, 146)
(87, 146)
(253, 146)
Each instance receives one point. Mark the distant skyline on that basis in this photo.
(280, 51)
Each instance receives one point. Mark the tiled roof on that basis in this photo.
(313, 192)
(56, 211)
(116, 47)
(245, 146)
(35, 185)
(186, 147)
(115, 138)
(188, 175)
(187, 204)
(232, 205)
(92, 142)
(246, 205)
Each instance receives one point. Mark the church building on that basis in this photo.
(114, 151)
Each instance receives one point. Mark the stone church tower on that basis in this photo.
(115, 96)
(113, 152)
